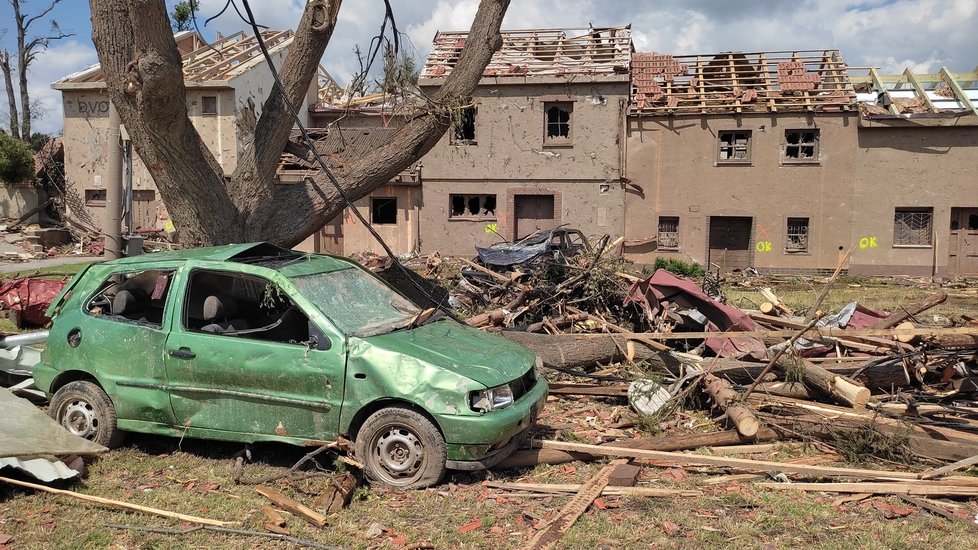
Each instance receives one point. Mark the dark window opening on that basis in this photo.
(472, 206)
(972, 221)
(913, 226)
(245, 306)
(95, 197)
(558, 122)
(463, 132)
(135, 297)
(734, 147)
(383, 210)
(801, 145)
(796, 237)
(208, 105)
(668, 236)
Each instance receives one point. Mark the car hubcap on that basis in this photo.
(399, 452)
(79, 418)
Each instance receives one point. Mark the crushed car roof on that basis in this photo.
(260, 253)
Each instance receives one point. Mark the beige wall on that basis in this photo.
(675, 163)
(849, 195)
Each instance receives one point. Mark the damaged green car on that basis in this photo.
(254, 343)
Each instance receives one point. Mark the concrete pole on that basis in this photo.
(112, 228)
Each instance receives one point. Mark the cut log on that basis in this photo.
(729, 401)
(905, 338)
(532, 457)
(843, 389)
(904, 313)
(786, 389)
(574, 351)
(775, 302)
(767, 308)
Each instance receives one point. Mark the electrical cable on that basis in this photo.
(329, 173)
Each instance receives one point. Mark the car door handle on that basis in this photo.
(183, 353)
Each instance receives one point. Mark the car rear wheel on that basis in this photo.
(401, 448)
(86, 411)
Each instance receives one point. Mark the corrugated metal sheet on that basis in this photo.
(42, 468)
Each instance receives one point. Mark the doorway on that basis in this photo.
(533, 213)
(962, 244)
(730, 242)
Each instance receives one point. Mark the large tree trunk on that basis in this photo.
(11, 98)
(23, 61)
(142, 68)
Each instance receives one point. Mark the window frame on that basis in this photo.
(788, 234)
(928, 210)
(556, 141)
(460, 124)
(658, 233)
(107, 282)
(373, 210)
(816, 144)
(733, 146)
(203, 105)
(473, 217)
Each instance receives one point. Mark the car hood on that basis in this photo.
(488, 359)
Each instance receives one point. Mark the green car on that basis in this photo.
(254, 342)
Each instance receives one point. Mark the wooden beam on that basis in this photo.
(958, 92)
(877, 488)
(292, 506)
(560, 488)
(921, 92)
(726, 462)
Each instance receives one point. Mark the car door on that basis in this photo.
(118, 335)
(231, 375)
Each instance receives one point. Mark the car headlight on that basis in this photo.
(491, 399)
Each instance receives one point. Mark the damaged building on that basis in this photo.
(784, 161)
(226, 81)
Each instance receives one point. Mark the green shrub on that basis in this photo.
(16, 160)
(691, 270)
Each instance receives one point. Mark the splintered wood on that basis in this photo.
(551, 533)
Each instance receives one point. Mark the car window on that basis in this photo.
(576, 239)
(357, 302)
(242, 306)
(133, 297)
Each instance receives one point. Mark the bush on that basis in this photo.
(690, 270)
(16, 160)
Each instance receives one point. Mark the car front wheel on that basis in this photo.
(86, 411)
(401, 448)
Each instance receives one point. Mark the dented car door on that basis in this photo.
(240, 359)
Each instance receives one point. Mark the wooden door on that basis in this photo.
(730, 242)
(963, 242)
(533, 212)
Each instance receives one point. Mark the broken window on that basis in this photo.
(913, 226)
(383, 210)
(472, 206)
(668, 236)
(796, 235)
(245, 306)
(133, 297)
(801, 145)
(734, 146)
(208, 105)
(463, 130)
(95, 197)
(558, 122)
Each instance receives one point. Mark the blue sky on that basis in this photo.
(891, 34)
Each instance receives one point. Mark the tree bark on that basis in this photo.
(727, 399)
(841, 388)
(144, 75)
(11, 98)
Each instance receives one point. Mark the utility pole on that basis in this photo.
(112, 228)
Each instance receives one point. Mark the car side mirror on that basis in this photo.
(317, 338)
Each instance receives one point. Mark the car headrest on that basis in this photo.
(219, 306)
(129, 301)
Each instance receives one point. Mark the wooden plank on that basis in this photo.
(617, 390)
(728, 462)
(560, 488)
(877, 488)
(904, 313)
(119, 504)
(551, 533)
(292, 506)
(938, 472)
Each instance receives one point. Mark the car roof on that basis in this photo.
(259, 253)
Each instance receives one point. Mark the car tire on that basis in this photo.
(85, 410)
(401, 448)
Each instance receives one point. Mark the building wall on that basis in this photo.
(509, 158)
(674, 162)
(849, 195)
(929, 167)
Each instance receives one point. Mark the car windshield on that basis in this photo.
(357, 302)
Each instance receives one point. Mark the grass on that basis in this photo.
(197, 480)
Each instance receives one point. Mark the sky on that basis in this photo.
(924, 35)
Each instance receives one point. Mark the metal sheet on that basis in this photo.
(42, 468)
(25, 431)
